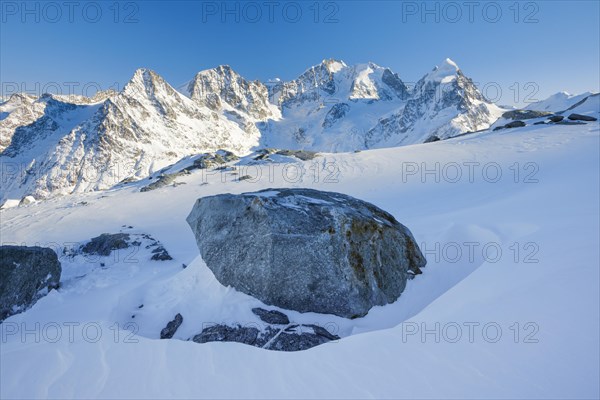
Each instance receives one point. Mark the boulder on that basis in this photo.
(26, 275)
(306, 250)
(168, 331)
(579, 117)
(104, 244)
(556, 118)
(515, 124)
(160, 254)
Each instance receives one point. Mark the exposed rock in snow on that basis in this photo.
(306, 250)
(171, 328)
(26, 274)
(579, 117)
(287, 338)
(271, 316)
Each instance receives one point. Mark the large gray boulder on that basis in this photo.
(26, 274)
(306, 250)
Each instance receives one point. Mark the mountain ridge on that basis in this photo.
(58, 141)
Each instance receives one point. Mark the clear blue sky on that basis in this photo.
(555, 44)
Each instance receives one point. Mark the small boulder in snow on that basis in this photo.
(515, 124)
(580, 117)
(169, 330)
(306, 250)
(26, 274)
(556, 118)
(104, 244)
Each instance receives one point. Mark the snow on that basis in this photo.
(545, 204)
(445, 72)
(557, 102)
(10, 203)
(335, 65)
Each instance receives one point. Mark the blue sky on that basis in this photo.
(504, 45)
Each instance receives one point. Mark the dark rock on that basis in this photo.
(292, 338)
(431, 139)
(225, 333)
(306, 250)
(244, 178)
(539, 123)
(515, 124)
(169, 330)
(393, 81)
(579, 117)
(498, 128)
(335, 113)
(271, 316)
(104, 244)
(524, 114)
(162, 181)
(303, 155)
(571, 123)
(160, 254)
(26, 274)
(212, 160)
(556, 118)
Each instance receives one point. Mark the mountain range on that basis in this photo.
(56, 144)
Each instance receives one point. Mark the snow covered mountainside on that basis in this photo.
(557, 102)
(507, 306)
(59, 145)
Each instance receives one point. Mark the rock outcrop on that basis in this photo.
(26, 275)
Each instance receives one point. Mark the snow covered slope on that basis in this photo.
(516, 317)
(557, 102)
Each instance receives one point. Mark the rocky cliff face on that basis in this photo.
(222, 89)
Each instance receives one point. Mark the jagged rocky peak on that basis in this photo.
(372, 82)
(222, 88)
(447, 85)
(18, 99)
(335, 80)
(444, 103)
(147, 83)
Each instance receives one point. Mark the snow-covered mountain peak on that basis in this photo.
(222, 88)
(445, 72)
(334, 65)
(145, 82)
